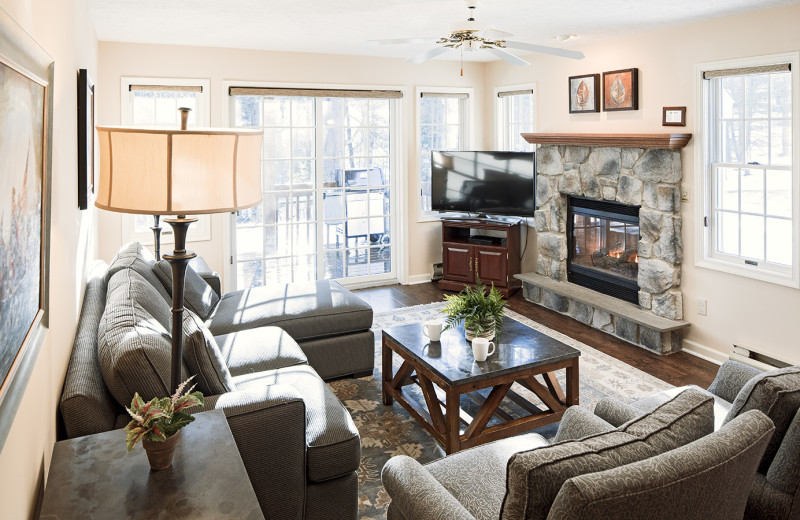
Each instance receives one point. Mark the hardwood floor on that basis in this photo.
(677, 369)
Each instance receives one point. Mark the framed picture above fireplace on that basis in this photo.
(584, 93)
(621, 90)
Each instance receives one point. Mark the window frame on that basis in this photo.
(201, 230)
(705, 250)
(398, 194)
(502, 135)
(468, 140)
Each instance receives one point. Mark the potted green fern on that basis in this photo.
(479, 309)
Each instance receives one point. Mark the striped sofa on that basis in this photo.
(298, 442)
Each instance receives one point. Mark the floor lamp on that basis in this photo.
(178, 172)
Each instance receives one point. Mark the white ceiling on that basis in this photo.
(342, 26)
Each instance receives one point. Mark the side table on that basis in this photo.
(96, 477)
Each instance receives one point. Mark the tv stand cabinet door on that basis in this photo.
(491, 266)
(457, 263)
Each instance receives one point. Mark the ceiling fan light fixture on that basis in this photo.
(565, 37)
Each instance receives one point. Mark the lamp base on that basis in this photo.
(156, 228)
(178, 261)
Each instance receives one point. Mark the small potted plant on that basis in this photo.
(479, 309)
(157, 424)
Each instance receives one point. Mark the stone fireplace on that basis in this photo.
(609, 212)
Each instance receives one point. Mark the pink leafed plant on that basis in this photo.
(160, 418)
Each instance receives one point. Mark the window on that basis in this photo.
(443, 123)
(750, 181)
(154, 102)
(516, 114)
(328, 172)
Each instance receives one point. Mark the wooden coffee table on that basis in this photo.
(522, 355)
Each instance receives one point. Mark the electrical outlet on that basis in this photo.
(685, 196)
(702, 306)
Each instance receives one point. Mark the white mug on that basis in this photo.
(432, 329)
(480, 348)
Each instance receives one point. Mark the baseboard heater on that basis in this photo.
(756, 359)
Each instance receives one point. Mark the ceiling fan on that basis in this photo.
(471, 36)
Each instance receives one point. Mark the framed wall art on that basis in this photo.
(674, 116)
(621, 90)
(85, 138)
(584, 93)
(26, 106)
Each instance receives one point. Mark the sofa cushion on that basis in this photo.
(304, 310)
(777, 394)
(482, 496)
(137, 257)
(134, 346)
(534, 477)
(259, 349)
(333, 444)
(203, 358)
(197, 294)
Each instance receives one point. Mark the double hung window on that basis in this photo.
(516, 114)
(154, 103)
(443, 123)
(750, 218)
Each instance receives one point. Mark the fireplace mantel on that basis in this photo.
(665, 141)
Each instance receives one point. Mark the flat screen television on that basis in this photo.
(490, 183)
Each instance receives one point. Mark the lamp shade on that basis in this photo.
(178, 172)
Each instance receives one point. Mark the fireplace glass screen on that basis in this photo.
(605, 245)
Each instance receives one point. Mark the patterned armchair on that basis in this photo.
(664, 464)
(736, 389)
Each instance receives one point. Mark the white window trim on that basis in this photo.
(501, 137)
(399, 196)
(200, 231)
(703, 246)
(435, 216)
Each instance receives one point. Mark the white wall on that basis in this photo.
(64, 30)
(743, 311)
(121, 59)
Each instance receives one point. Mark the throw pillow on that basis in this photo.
(197, 294)
(777, 394)
(534, 477)
(203, 358)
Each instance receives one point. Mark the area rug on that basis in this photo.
(387, 431)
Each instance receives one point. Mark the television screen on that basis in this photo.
(492, 183)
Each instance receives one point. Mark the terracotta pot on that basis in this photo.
(487, 333)
(160, 453)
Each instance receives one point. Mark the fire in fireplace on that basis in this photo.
(603, 247)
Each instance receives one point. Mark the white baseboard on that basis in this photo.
(704, 352)
(417, 279)
(365, 284)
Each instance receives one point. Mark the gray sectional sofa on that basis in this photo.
(258, 355)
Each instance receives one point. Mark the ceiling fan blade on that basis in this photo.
(494, 34)
(431, 53)
(564, 53)
(400, 41)
(500, 53)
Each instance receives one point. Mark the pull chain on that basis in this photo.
(461, 47)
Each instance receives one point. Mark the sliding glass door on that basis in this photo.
(328, 209)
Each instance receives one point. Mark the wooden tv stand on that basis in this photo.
(466, 258)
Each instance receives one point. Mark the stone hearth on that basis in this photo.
(646, 177)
